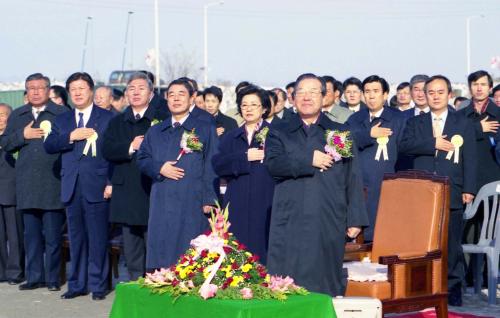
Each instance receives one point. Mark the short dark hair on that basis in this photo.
(182, 81)
(213, 90)
(377, 79)
(495, 89)
(477, 75)
(60, 92)
(329, 79)
(117, 94)
(402, 85)
(393, 102)
(150, 75)
(80, 76)
(291, 84)
(191, 82)
(352, 81)
(273, 96)
(241, 85)
(278, 91)
(438, 77)
(261, 94)
(459, 99)
(305, 76)
(35, 77)
(338, 87)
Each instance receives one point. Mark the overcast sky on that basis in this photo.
(267, 42)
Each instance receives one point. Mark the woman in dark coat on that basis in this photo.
(250, 187)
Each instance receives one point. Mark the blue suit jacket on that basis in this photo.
(418, 140)
(92, 172)
(373, 170)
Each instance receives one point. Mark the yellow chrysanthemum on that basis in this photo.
(212, 255)
(268, 278)
(245, 268)
(229, 274)
(236, 281)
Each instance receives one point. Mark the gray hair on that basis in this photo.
(141, 75)
(419, 78)
(6, 106)
(108, 88)
(35, 77)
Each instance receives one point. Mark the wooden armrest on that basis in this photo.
(409, 258)
(355, 247)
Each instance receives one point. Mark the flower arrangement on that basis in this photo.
(155, 121)
(261, 136)
(338, 144)
(218, 265)
(189, 143)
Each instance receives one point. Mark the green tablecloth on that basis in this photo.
(132, 301)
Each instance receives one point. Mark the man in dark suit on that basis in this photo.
(38, 184)
(443, 142)
(11, 219)
(131, 188)
(317, 201)
(157, 100)
(78, 136)
(212, 97)
(280, 110)
(377, 132)
(352, 93)
(485, 116)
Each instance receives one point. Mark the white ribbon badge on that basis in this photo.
(91, 142)
(382, 148)
(46, 126)
(457, 142)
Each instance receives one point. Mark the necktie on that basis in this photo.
(80, 121)
(37, 112)
(438, 129)
(421, 112)
(176, 124)
(137, 116)
(372, 118)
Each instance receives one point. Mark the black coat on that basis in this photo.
(249, 192)
(203, 115)
(7, 178)
(487, 167)
(38, 180)
(131, 188)
(311, 209)
(418, 140)
(225, 122)
(159, 103)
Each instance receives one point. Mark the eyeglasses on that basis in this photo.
(250, 106)
(36, 88)
(312, 93)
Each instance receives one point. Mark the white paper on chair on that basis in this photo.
(366, 272)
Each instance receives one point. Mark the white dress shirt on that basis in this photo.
(86, 114)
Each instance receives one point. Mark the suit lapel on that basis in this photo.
(94, 118)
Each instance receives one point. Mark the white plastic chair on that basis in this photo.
(488, 243)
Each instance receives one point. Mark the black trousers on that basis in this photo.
(11, 243)
(456, 268)
(134, 248)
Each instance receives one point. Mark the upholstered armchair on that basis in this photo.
(411, 237)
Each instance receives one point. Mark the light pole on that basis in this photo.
(205, 37)
(126, 37)
(468, 38)
(157, 46)
(89, 19)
